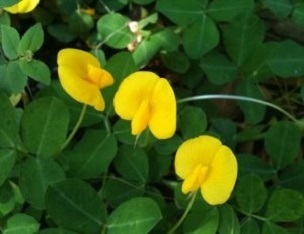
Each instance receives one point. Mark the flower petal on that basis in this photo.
(132, 91)
(141, 118)
(81, 90)
(221, 178)
(195, 179)
(23, 6)
(199, 150)
(77, 60)
(163, 110)
(99, 76)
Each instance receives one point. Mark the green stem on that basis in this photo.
(240, 98)
(76, 127)
(182, 218)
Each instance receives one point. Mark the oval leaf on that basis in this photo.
(75, 205)
(52, 117)
(134, 217)
(35, 176)
(282, 142)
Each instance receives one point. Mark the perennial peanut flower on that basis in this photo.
(149, 102)
(82, 77)
(24, 6)
(205, 163)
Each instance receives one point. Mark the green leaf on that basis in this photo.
(243, 36)
(200, 37)
(21, 223)
(202, 222)
(113, 28)
(293, 176)
(253, 164)
(168, 39)
(7, 162)
(228, 222)
(10, 40)
(32, 39)
(75, 205)
(193, 122)
(251, 193)
(80, 23)
(37, 70)
(298, 14)
(226, 131)
(150, 19)
(168, 146)
(254, 113)
(5, 18)
(61, 32)
(105, 5)
(15, 77)
(218, 68)
(92, 155)
(56, 231)
(7, 198)
(285, 205)
(175, 61)
(52, 117)
(227, 10)
(179, 11)
(35, 176)
(117, 191)
(138, 215)
(143, 2)
(145, 51)
(250, 226)
(255, 67)
(271, 228)
(132, 163)
(286, 59)
(159, 165)
(282, 142)
(281, 8)
(7, 3)
(8, 123)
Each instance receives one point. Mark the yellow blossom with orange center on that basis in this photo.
(205, 163)
(82, 77)
(149, 102)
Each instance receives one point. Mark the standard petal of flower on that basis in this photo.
(132, 91)
(163, 110)
(23, 6)
(80, 89)
(199, 150)
(77, 60)
(99, 76)
(221, 178)
(141, 118)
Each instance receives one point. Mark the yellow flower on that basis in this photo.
(82, 77)
(148, 101)
(205, 163)
(24, 6)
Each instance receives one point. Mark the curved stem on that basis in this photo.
(76, 127)
(182, 218)
(240, 98)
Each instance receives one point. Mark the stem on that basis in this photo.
(240, 98)
(76, 127)
(182, 218)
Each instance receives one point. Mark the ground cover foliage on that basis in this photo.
(236, 68)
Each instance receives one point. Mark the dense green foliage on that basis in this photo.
(100, 182)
